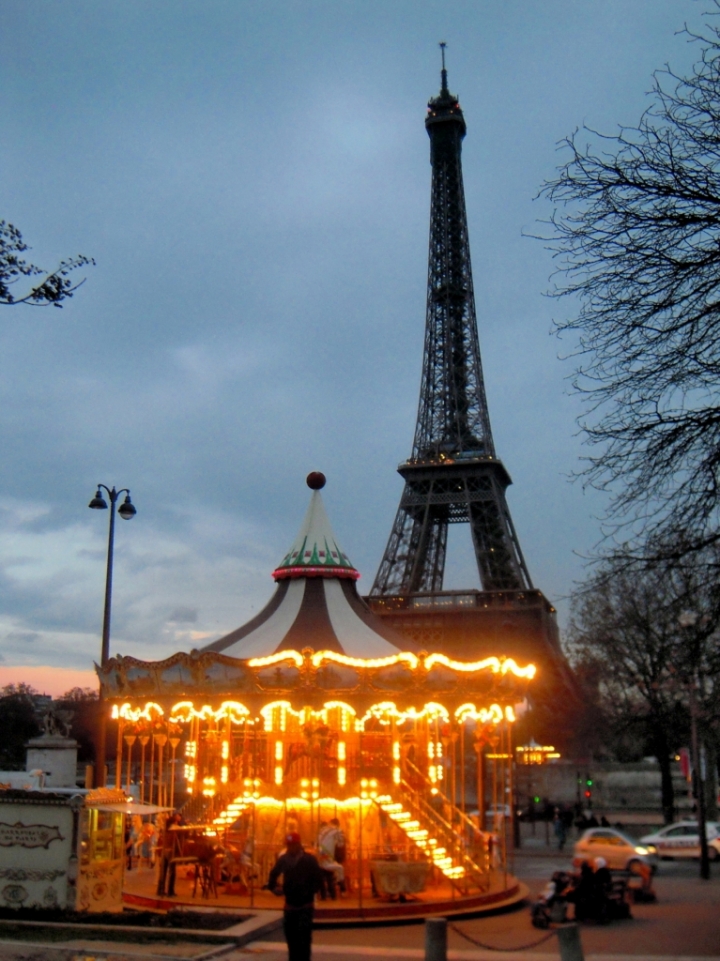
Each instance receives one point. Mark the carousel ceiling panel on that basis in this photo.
(278, 677)
(337, 677)
(174, 677)
(397, 677)
(227, 674)
(442, 679)
(139, 680)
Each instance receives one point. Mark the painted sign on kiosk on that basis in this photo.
(60, 851)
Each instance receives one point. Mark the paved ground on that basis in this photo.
(684, 924)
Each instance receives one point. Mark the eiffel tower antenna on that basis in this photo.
(443, 72)
(453, 475)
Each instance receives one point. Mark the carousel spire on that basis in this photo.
(315, 552)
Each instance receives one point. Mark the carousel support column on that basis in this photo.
(129, 740)
(513, 800)
(144, 738)
(453, 780)
(480, 785)
(151, 786)
(252, 769)
(467, 840)
(229, 759)
(503, 769)
(196, 752)
(462, 770)
(174, 741)
(162, 741)
(118, 754)
(360, 853)
(252, 853)
(497, 748)
(449, 788)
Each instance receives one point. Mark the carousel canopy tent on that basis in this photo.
(316, 603)
(314, 642)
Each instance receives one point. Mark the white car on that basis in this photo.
(620, 851)
(682, 840)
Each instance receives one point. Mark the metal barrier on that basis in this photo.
(568, 936)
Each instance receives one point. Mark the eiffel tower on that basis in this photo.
(453, 475)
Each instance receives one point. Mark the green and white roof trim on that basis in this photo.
(315, 552)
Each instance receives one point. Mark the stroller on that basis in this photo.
(551, 907)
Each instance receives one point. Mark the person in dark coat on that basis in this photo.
(583, 893)
(302, 879)
(602, 879)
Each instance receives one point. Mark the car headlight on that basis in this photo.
(651, 849)
(641, 850)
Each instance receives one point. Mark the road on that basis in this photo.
(684, 923)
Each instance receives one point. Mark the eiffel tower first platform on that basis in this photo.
(454, 475)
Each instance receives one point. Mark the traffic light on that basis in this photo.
(588, 787)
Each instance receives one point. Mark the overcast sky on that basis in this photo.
(253, 180)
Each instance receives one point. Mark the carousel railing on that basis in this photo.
(462, 834)
(453, 841)
(471, 830)
(435, 838)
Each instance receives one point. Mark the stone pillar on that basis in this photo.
(436, 939)
(56, 756)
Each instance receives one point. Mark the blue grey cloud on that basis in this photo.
(253, 181)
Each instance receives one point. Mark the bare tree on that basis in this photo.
(635, 232)
(630, 624)
(54, 286)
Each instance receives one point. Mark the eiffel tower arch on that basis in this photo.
(454, 475)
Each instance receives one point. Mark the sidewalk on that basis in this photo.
(277, 951)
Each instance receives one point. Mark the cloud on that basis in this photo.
(21, 637)
(184, 615)
(53, 600)
(258, 306)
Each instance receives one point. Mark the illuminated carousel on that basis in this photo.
(316, 711)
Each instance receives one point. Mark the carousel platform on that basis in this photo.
(438, 899)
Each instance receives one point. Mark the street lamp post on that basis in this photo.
(687, 620)
(126, 511)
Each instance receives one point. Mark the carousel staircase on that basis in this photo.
(437, 839)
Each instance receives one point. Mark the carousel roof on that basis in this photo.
(315, 552)
(316, 603)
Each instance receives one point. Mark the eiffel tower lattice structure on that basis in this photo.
(453, 475)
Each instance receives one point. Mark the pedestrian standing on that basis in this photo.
(302, 879)
(330, 837)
